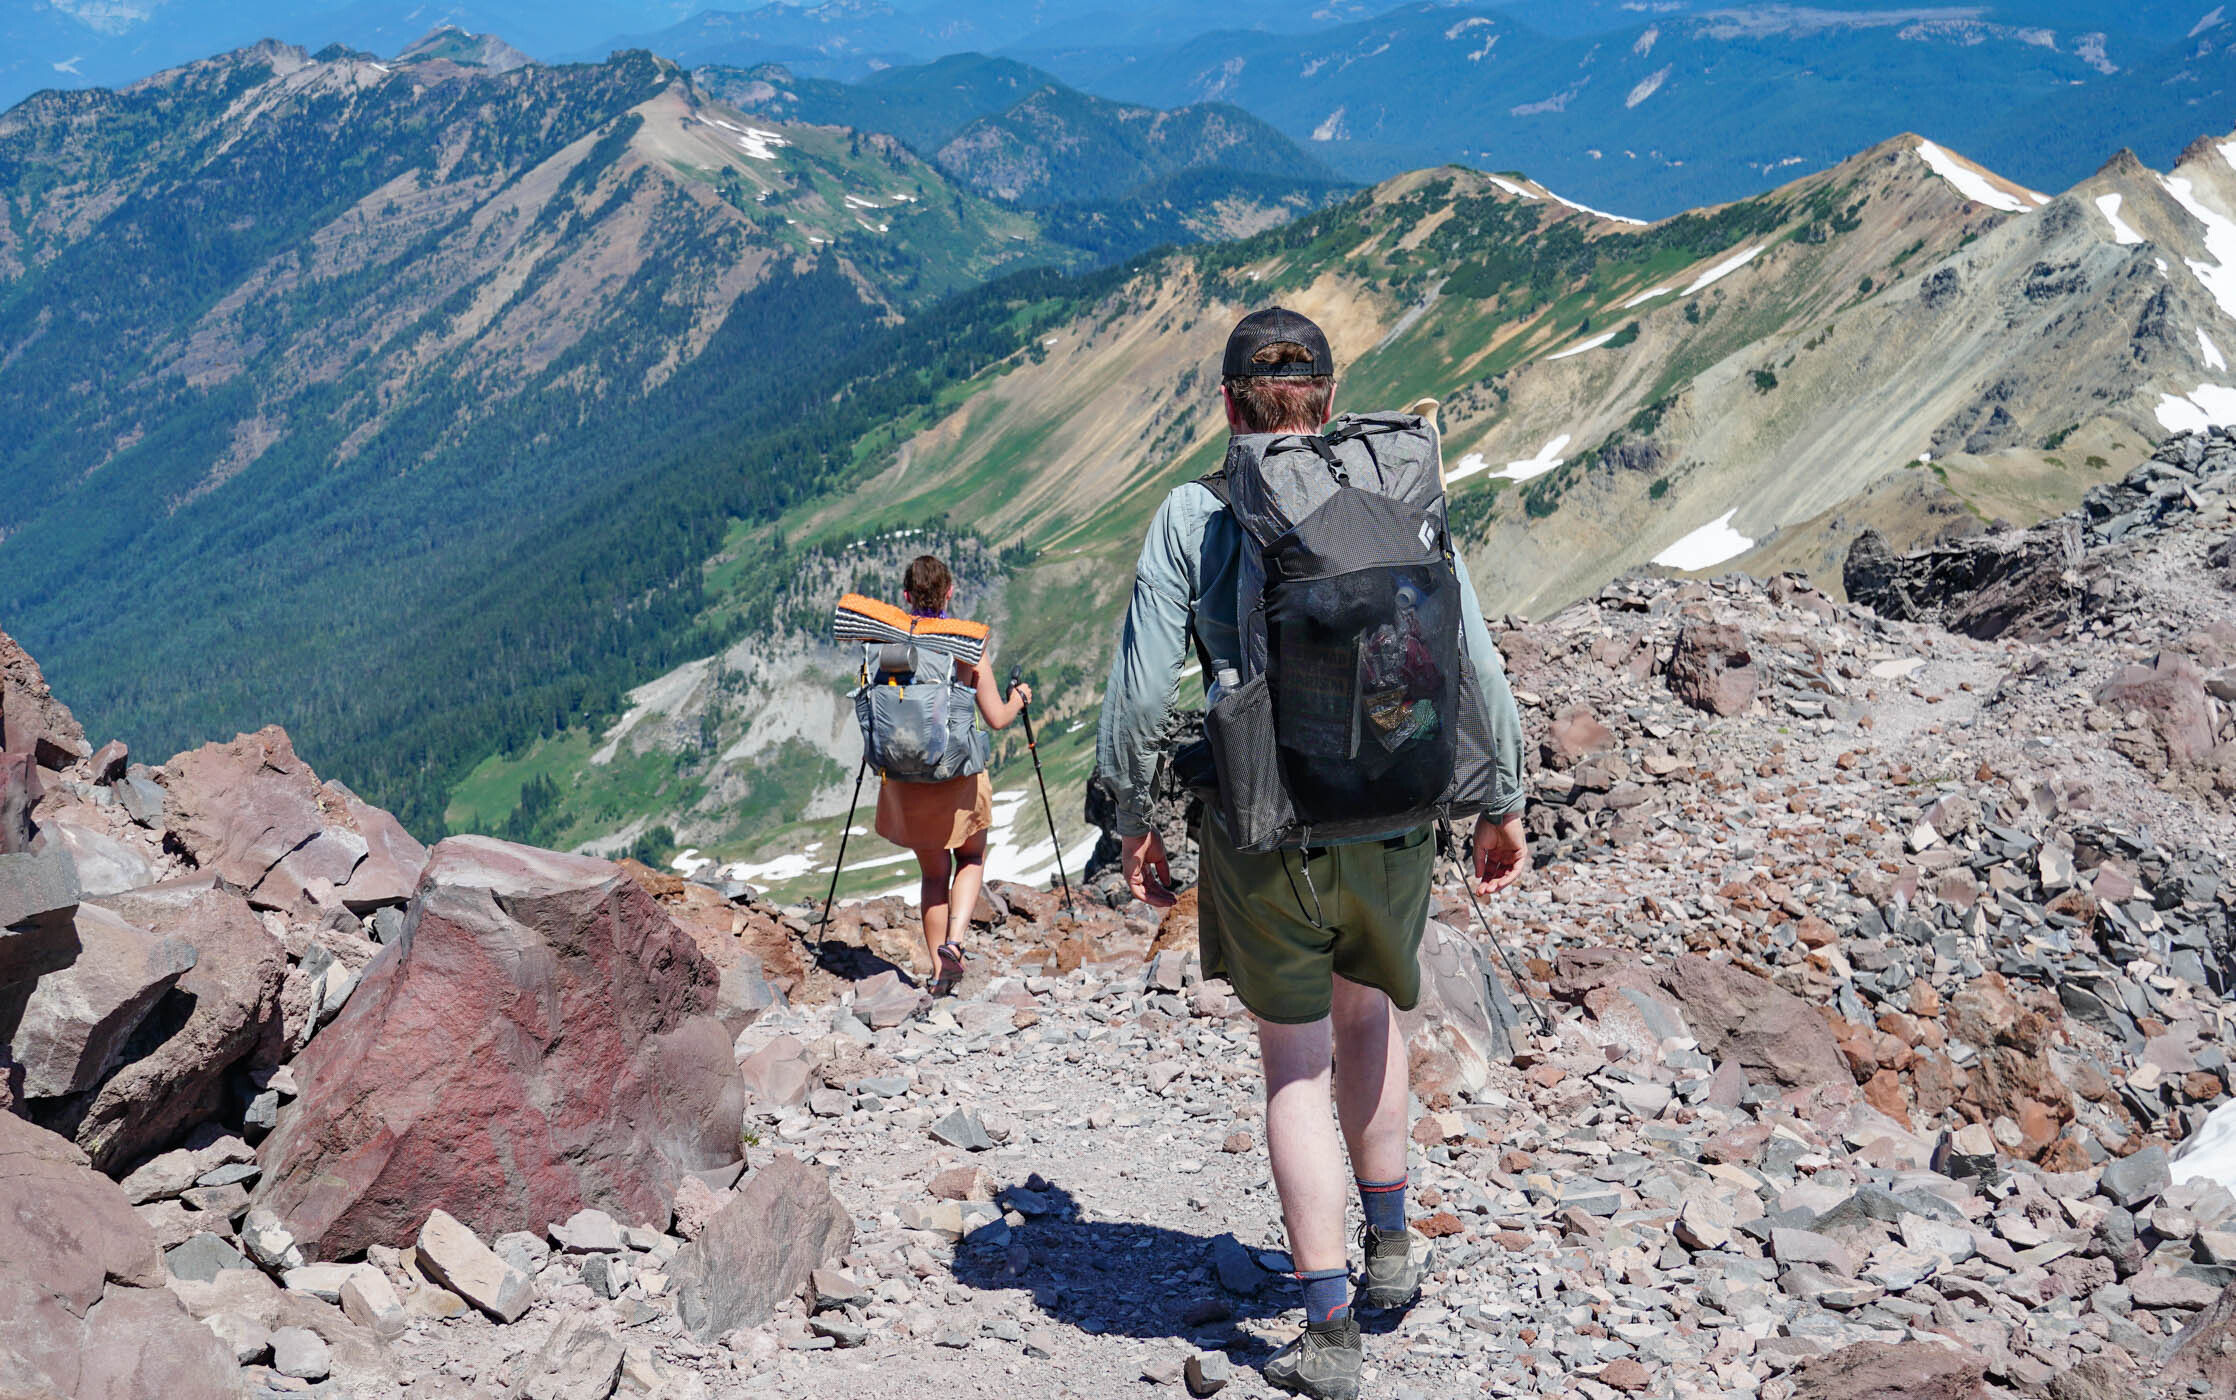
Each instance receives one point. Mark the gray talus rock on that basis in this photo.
(81, 1285)
(176, 1074)
(581, 1361)
(76, 1021)
(757, 1251)
(455, 1257)
(105, 864)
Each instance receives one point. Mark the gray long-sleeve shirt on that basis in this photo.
(1186, 579)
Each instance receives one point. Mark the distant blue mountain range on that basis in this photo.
(1646, 110)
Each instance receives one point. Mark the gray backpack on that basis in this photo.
(1353, 710)
(916, 728)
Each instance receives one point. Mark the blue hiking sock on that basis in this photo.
(1384, 1203)
(1327, 1294)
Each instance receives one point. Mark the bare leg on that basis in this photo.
(1301, 1140)
(970, 873)
(933, 905)
(1371, 1081)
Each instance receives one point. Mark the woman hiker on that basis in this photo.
(945, 824)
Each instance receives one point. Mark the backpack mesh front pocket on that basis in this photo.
(1367, 688)
(922, 733)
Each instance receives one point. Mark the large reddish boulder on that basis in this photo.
(32, 721)
(538, 1043)
(259, 818)
(224, 1012)
(82, 1286)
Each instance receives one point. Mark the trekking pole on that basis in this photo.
(1032, 746)
(1453, 847)
(846, 829)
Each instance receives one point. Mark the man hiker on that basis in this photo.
(1356, 698)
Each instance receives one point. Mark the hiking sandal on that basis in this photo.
(950, 969)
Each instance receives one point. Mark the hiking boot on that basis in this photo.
(1395, 1265)
(1323, 1362)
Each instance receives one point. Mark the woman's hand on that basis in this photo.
(1020, 695)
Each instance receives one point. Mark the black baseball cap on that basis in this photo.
(1268, 327)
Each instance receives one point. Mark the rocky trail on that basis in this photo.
(1886, 947)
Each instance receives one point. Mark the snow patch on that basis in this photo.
(1648, 87)
(2219, 276)
(1580, 347)
(1511, 188)
(1648, 295)
(2213, 359)
(1597, 213)
(757, 142)
(1724, 269)
(1969, 182)
(790, 866)
(1547, 459)
(2206, 406)
(1332, 129)
(1707, 546)
(2210, 1152)
(2121, 232)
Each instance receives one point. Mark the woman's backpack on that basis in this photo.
(1353, 710)
(919, 724)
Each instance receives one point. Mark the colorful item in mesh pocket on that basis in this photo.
(860, 619)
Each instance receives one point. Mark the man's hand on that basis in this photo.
(1501, 854)
(1142, 858)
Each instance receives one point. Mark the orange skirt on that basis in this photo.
(934, 816)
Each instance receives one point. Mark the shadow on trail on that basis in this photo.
(1128, 1279)
(853, 962)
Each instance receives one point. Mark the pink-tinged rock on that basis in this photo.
(1455, 1033)
(32, 721)
(2205, 1350)
(81, 1286)
(230, 1004)
(1712, 668)
(759, 1249)
(1776, 1037)
(74, 1026)
(1892, 1371)
(105, 864)
(537, 1044)
(2171, 693)
(256, 815)
(779, 1073)
(38, 899)
(109, 760)
(1578, 733)
(393, 858)
(20, 791)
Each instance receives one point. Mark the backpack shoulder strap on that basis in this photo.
(1215, 481)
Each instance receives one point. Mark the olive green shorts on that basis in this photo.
(1282, 925)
